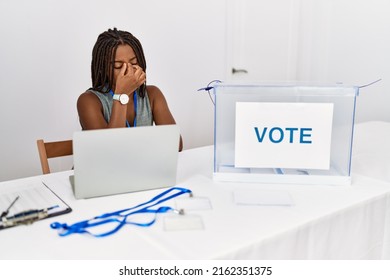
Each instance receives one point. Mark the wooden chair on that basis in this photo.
(48, 150)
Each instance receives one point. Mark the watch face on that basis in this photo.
(124, 98)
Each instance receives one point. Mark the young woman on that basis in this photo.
(119, 96)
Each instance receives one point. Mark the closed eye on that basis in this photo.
(134, 61)
(118, 64)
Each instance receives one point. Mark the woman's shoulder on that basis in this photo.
(153, 90)
(87, 97)
(154, 93)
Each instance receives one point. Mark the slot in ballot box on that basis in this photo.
(284, 133)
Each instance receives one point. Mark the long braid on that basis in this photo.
(103, 57)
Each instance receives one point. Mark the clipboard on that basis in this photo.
(28, 202)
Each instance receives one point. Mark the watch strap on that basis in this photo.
(116, 96)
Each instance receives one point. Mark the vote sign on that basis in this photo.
(283, 135)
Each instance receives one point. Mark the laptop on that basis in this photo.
(121, 160)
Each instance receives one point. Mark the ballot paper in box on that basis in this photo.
(284, 133)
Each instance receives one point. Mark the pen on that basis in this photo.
(27, 217)
(31, 212)
(5, 213)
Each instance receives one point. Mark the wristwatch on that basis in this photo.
(122, 98)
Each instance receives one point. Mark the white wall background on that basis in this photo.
(46, 47)
(348, 41)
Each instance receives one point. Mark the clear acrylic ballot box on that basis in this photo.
(284, 133)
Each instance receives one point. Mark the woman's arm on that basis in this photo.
(90, 109)
(91, 113)
(160, 110)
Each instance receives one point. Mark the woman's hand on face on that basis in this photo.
(129, 78)
(139, 74)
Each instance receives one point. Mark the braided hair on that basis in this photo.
(103, 57)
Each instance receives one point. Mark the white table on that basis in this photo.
(325, 222)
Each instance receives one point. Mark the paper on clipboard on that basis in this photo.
(33, 195)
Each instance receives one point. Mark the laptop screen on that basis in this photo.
(120, 160)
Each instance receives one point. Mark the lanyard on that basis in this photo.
(121, 217)
(135, 108)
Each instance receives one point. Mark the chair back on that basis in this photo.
(48, 150)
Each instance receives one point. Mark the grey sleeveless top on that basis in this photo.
(144, 115)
